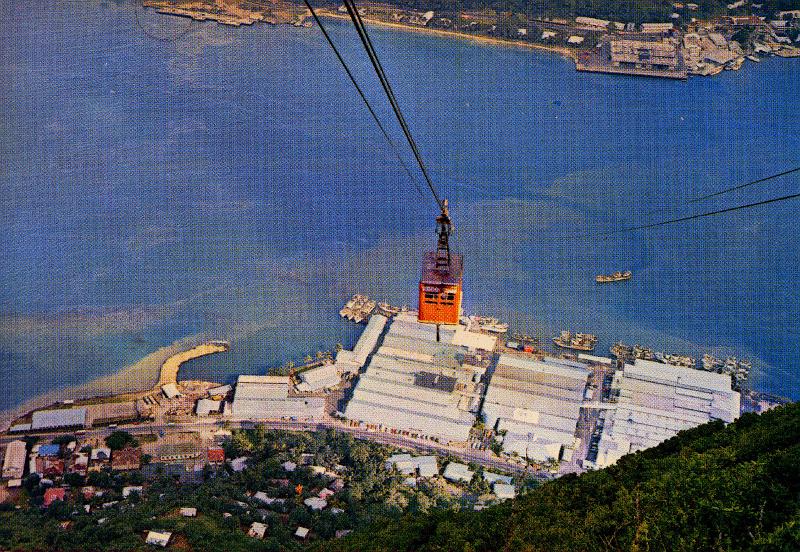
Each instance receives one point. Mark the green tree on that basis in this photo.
(120, 439)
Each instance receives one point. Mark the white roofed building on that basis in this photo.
(418, 384)
(206, 407)
(60, 418)
(353, 361)
(426, 466)
(260, 397)
(323, 377)
(14, 460)
(537, 403)
(504, 491)
(458, 472)
(170, 391)
(657, 400)
(158, 538)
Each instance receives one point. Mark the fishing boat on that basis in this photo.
(490, 324)
(622, 351)
(576, 342)
(615, 277)
(711, 363)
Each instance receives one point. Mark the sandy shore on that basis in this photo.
(144, 376)
(169, 370)
(561, 50)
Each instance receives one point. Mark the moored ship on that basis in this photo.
(615, 277)
(576, 342)
(489, 324)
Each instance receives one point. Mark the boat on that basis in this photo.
(489, 324)
(622, 351)
(711, 363)
(388, 310)
(576, 342)
(358, 308)
(754, 58)
(615, 277)
(644, 353)
(680, 360)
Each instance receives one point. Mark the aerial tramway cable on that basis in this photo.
(376, 64)
(745, 185)
(724, 191)
(363, 96)
(683, 219)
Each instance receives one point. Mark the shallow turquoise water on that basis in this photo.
(229, 183)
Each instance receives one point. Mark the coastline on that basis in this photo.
(144, 376)
(484, 40)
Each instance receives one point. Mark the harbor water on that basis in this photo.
(164, 179)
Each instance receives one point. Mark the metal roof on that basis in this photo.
(67, 417)
(452, 275)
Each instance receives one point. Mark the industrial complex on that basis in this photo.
(536, 403)
(658, 400)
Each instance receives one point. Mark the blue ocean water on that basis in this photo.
(163, 179)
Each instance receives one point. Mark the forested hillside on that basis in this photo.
(710, 488)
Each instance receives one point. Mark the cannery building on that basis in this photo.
(536, 403)
(656, 401)
(418, 384)
(260, 397)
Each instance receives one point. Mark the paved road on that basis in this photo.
(482, 457)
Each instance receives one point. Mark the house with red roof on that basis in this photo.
(52, 494)
(216, 455)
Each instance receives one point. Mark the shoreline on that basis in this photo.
(144, 376)
(483, 40)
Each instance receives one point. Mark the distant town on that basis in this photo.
(677, 48)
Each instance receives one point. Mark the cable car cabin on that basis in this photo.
(440, 289)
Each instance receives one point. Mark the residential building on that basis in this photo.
(126, 459)
(158, 538)
(52, 494)
(257, 530)
(458, 472)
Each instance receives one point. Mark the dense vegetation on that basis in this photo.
(710, 488)
(616, 10)
(224, 501)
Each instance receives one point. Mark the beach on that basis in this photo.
(478, 39)
(143, 377)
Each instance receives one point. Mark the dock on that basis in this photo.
(358, 309)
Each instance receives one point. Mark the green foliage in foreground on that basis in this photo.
(710, 488)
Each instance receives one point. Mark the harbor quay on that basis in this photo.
(455, 387)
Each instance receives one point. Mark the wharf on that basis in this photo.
(358, 308)
(594, 65)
